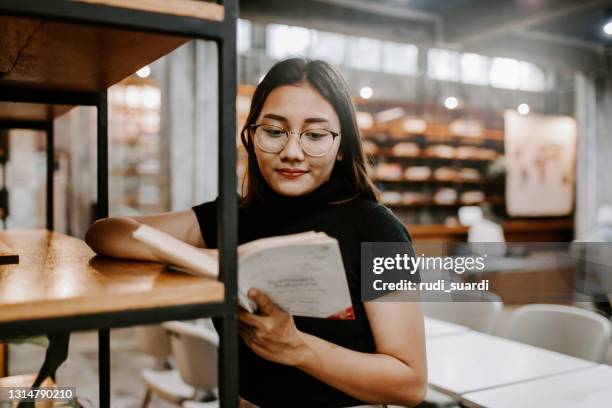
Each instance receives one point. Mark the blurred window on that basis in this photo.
(243, 36)
(400, 58)
(474, 69)
(443, 64)
(283, 41)
(331, 47)
(504, 73)
(532, 77)
(364, 53)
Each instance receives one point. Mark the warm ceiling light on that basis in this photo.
(451, 102)
(523, 109)
(144, 72)
(366, 92)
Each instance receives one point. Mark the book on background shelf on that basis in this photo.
(301, 273)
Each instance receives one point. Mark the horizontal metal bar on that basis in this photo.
(78, 12)
(24, 124)
(47, 96)
(123, 318)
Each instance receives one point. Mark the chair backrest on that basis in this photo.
(153, 340)
(195, 350)
(482, 314)
(565, 329)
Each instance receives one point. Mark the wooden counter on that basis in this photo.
(60, 276)
(190, 8)
(537, 230)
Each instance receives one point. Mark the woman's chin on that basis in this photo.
(292, 188)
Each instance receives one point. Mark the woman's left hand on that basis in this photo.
(272, 334)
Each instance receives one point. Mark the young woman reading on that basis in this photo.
(306, 171)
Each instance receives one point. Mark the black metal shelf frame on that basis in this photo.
(224, 34)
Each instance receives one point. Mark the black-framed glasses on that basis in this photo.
(273, 139)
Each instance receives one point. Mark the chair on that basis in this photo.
(478, 310)
(154, 341)
(194, 348)
(565, 329)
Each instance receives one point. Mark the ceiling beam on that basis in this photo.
(497, 18)
(543, 52)
(385, 9)
(326, 15)
(560, 39)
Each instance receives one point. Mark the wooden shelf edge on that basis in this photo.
(424, 230)
(427, 157)
(207, 291)
(186, 8)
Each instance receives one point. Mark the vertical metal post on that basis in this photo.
(227, 211)
(50, 173)
(4, 369)
(102, 205)
(102, 212)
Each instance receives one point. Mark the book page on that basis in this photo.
(302, 279)
(277, 241)
(177, 253)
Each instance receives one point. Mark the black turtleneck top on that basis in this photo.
(333, 208)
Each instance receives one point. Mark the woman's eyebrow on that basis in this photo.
(316, 120)
(280, 118)
(275, 117)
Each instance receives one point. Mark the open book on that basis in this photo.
(301, 273)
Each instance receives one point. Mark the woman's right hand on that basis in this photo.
(113, 236)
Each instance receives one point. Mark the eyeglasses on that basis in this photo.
(273, 139)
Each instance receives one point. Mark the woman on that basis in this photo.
(306, 171)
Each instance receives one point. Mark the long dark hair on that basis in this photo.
(330, 83)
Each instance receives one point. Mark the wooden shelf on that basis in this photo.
(53, 55)
(490, 136)
(189, 8)
(60, 276)
(34, 112)
(536, 230)
(424, 157)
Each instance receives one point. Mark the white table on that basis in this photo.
(475, 361)
(437, 328)
(585, 388)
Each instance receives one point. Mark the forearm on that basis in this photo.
(113, 237)
(376, 378)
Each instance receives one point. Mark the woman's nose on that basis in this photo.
(293, 149)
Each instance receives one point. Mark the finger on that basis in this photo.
(244, 326)
(263, 301)
(251, 341)
(250, 319)
(249, 337)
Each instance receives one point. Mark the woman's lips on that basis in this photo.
(291, 173)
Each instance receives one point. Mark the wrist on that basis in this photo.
(305, 353)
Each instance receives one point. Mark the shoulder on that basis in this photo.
(377, 222)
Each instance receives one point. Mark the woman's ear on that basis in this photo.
(339, 155)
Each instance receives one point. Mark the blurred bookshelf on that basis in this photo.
(134, 106)
(428, 161)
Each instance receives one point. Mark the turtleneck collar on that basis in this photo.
(334, 190)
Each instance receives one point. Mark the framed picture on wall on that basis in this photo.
(541, 152)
